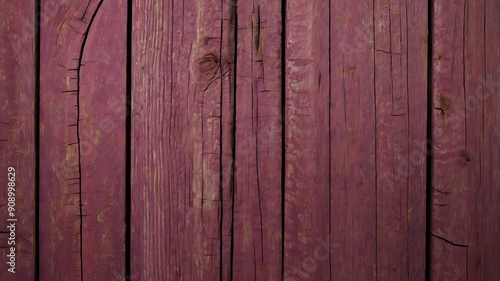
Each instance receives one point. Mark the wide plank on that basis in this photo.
(72, 106)
(181, 156)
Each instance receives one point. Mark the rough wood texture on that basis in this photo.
(401, 109)
(103, 112)
(307, 190)
(258, 159)
(181, 69)
(17, 146)
(465, 217)
(353, 147)
(73, 103)
(239, 173)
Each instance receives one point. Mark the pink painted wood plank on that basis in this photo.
(307, 189)
(490, 166)
(67, 88)
(258, 160)
(417, 59)
(17, 146)
(352, 140)
(103, 112)
(465, 195)
(180, 136)
(401, 139)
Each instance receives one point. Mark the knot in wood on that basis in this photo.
(209, 66)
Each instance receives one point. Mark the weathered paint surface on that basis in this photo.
(17, 128)
(181, 156)
(266, 143)
(82, 163)
(401, 122)
(306, 140)
(257, 221)
(103, 111)
(465, 187)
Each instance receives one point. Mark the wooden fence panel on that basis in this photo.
(257, 218)
(81, 208)
(17, 146)
(269, 139)
(465, 218)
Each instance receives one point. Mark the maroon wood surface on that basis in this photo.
(258, 159)
(81, 201)
(180, 146)
(307, 189)
(401, 114)
(465, 219)
(353, 142)
(257, 153)
(17, 146)
(103, 112)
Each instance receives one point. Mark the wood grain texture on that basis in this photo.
(401, 108)
(180, 128)
(258, 160)
(70, 191)
(17, 146)
(103, 112)
(307, 190)
(465, 93)
(353, 147)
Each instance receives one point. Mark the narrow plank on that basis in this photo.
(465, 216)
(307, 190)
(474, 67)
(257, 195)
(392, 139)
(64, 29)
(178, 137)
(352, 124)
(103, 111)
(490, 248)
(17, 139)
(400, 67)
(417, 71)
(450, 208)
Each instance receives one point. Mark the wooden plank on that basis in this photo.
(417, 71)
(490, 166)
(307, 190)
(102, 142)
(465, 195)
(72, 110)
(401, 108)
(257, 195)
(450, 213)
(353, 147)
(179, 137)
(17, 139)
